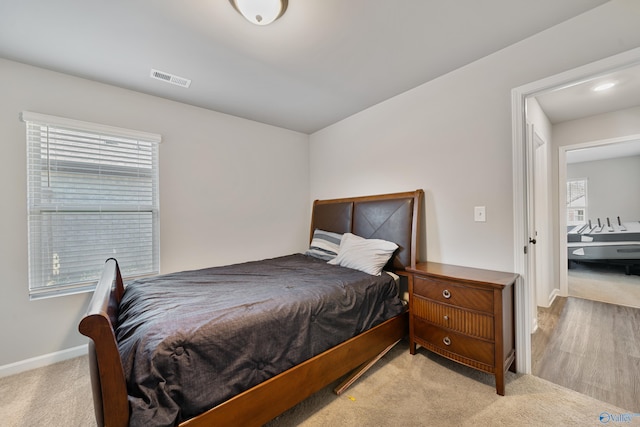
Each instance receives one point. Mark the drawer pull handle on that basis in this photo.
(446, 293)
(446, 341)
(446, 317)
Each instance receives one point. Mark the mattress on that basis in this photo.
(191, 340)
(604, 242)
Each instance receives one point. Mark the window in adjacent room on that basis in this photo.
(92, 195)
(576, 201)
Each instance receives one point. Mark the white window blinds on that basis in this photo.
(92, 195)
(577, 201)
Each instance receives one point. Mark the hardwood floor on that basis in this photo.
(590, 347)
(547, 321)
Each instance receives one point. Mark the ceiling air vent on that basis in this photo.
(170, 78)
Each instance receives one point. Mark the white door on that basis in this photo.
(531, 220)
(544, 285)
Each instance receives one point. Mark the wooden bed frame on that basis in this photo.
(393, 217)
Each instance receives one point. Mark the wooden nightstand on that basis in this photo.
(464, 314)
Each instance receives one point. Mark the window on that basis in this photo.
(576, 202)
(92, 195)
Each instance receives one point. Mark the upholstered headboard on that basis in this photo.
(393, 217)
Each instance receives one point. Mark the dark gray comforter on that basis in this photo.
(192, 340)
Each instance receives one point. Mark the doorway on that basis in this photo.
(526, 290)
(535, 294)
(608, 173)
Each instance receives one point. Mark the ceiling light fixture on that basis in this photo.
(260, 12)
(603, 86)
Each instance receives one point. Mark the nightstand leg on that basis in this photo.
(500, 382)
(412, 347)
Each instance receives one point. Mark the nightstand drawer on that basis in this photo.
(466, 322)
(471, 348)
(450, 293)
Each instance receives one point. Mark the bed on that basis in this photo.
(614, 243)
(387, 218)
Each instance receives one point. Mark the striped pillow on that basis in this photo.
(324, 245)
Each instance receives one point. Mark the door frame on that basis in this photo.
(562, 196)
(525, 315)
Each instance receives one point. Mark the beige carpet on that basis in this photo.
(420, 390)
(57, 395)
(598, 282)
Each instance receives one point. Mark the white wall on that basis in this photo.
(230, 190)
(452, 137)
(613, 187)
(615, 124)
(538, 119)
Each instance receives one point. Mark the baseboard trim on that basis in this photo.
(44, 360)
(553, 295)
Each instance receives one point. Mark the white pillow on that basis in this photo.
(368, 255)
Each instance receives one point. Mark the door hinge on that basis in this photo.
(525, 250)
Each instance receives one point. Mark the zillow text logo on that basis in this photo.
(606, 418)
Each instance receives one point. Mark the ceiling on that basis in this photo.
(579, 100)
(604, 152)
(323, 61)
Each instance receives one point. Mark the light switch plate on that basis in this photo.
(479, 214)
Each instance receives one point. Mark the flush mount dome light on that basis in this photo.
(260, 12)
(603, 86)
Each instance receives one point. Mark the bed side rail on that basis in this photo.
(107, 375)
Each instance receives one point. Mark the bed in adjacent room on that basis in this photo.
(616, 243)
(240, 344)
